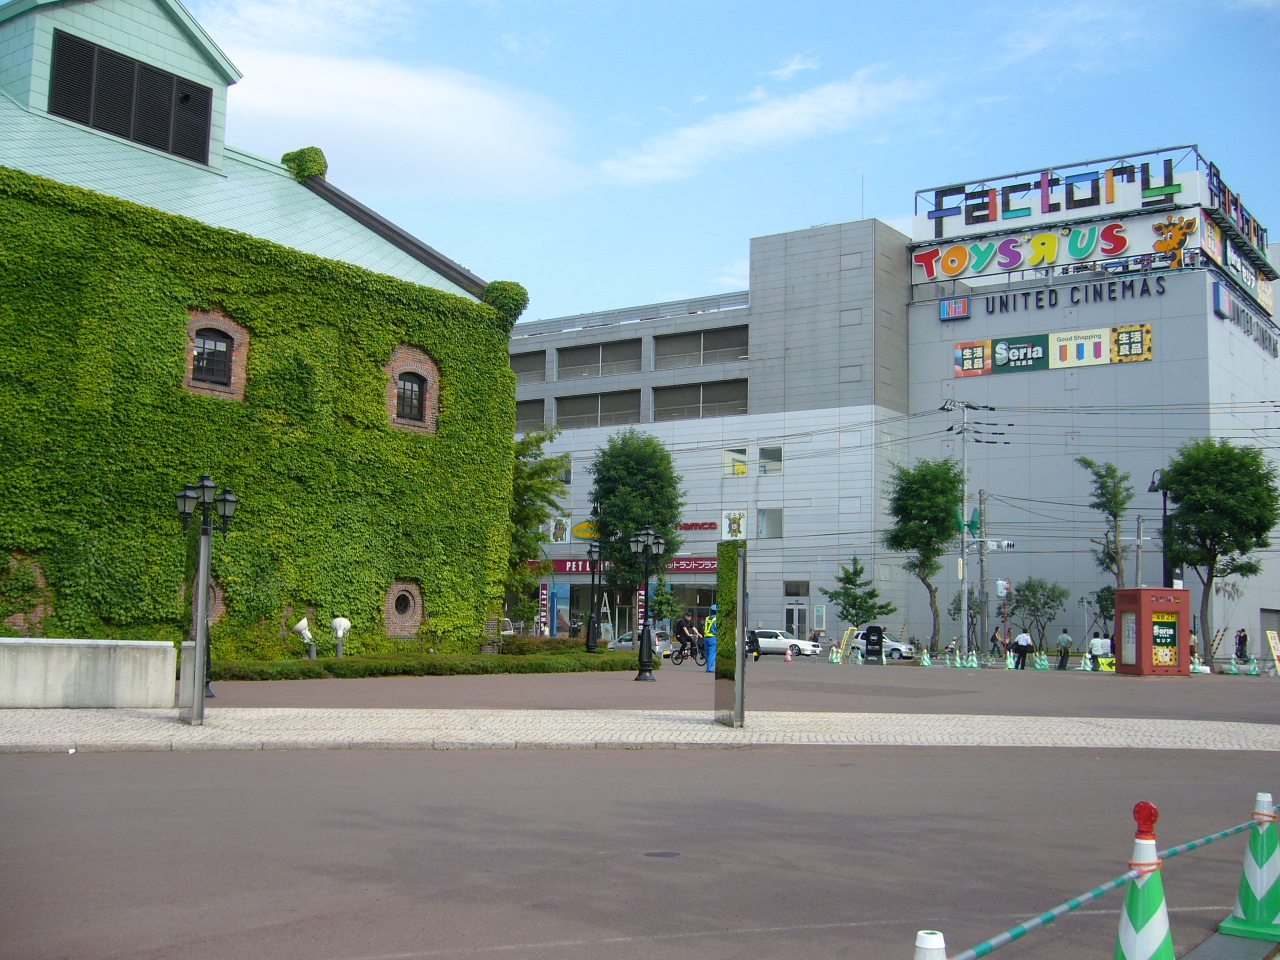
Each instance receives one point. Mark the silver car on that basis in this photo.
(661, 643)
(893, 650)
(783, 641)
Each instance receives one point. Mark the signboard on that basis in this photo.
(1229, 307)
(957, 308)
(558, 530)
(1164, 639)
(1162, 238)
(641, 608)
(1090, 190)
(1129, 637)
(586, 530)
(673, 565)
(875, 645)
(1048, 351)
(544, 606)
(1273, 640)
(700, 525)
(733, 525)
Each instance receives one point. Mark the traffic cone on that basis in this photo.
(787, 658)
(973, 661)
(1144, 921)
(1086, 662)
(833, 655)
(924, 659)
(1232, 669)
(1253, 668)
(1257, 911)
(1010, 660)
(1042, 661)
(930, 945)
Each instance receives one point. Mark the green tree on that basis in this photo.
(854, 602)
(1225, 505)
(536, 489)
(922, 503)
(635, 483)
(1036, 603)
(1112, 494)
(664, 604)
(953, 611)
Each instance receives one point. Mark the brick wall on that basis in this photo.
(201, 320)
(408, 623)
(407, 359)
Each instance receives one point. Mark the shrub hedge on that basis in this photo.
(424, 665)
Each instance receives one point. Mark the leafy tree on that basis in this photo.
(1036, 603)
(536, 489)
(856, 604)
(664, 604)
(635, 484)
(1225, 504)
(953, 611)
(922, 503)
(1112, 494)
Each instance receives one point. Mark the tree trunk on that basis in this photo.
(1206, 631)
(1119, 556)
(933, 609)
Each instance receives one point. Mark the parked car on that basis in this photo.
(781, 641)
(661, 642)
(893, 650)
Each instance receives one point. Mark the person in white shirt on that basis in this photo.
(1099, 647)
(1022, 645)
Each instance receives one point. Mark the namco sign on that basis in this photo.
(700, 525)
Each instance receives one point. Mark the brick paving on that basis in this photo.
(291, 728)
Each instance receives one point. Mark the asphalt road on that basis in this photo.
(806, 684)
(762, 853)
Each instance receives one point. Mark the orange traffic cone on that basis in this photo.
(787, 658)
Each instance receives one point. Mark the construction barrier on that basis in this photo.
(1144, 922)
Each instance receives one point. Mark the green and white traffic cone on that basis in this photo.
(924, 659)
(973, 664)
(1253, 670)
(1086, 662)
(1042, 661)
(1257, 911)
(930, 945)
(1010, 660)
(1144, 921)
(1232, 669)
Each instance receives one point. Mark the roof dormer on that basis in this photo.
(140, 70)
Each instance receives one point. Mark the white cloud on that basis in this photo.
(793, 66)
(308, 25)
(1082, 35)
(531, 47)
(829, 108)
(425, 130)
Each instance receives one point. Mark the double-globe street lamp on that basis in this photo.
(593, 615)
(646, 544)
(206, 496)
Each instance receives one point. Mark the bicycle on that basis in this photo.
(698, 654)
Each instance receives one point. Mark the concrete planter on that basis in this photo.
(86, 673)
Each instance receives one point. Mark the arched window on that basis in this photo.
(410, 390)
(212, 359)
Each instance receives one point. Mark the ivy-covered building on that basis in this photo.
(171, 306)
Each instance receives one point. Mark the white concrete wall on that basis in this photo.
(86, 673)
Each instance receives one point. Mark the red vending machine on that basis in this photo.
(1153, 632)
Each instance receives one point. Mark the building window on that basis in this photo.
(410, 390)
(700, 400)
(530, 367)
(598, 360)
(108, 91)
(531, 416)
(725, 345)
(795, 588)
(769, 523)
(211, 361)
(598, 410)
(735, 462)
(770, 461)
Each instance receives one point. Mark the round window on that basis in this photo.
(404, 603)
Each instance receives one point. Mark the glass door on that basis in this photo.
(797, 621)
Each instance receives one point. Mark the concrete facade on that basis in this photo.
(86, 673)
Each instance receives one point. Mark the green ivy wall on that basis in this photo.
(97, 432)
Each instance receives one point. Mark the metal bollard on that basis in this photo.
(930, 945)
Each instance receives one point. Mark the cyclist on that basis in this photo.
(686, 633)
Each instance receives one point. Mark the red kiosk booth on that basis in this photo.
(1153, 632)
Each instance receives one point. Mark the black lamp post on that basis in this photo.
(593, 615)
(1157, 484)
(205, 496)
(646, 544)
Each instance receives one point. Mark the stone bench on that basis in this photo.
(86, 673)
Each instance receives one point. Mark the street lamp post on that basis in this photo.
(1157, 484)
(646, 544)
(593, 615)
(206, 496)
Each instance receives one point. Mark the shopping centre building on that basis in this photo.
(1112, 309)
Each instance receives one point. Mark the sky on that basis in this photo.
(612, 153)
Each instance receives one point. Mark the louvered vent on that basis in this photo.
(123, 96)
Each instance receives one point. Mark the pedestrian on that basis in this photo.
(1099, 646)
(1242, 644)
(1022, 647)
(686, 633)
(1064, 648)
(997, 644)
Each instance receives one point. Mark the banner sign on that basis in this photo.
(544, 605)
(1164, 639)
(1089, 190)
(1229, 307)
(1162, 237)
(1052, 351)
(673, 565)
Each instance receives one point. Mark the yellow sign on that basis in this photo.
(1274, 640)
(586, 530)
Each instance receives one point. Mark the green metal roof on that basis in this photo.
(187, 23)
(250, 194)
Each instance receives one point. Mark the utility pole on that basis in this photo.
(1137, 576)
(963, 428)
(982, 568)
